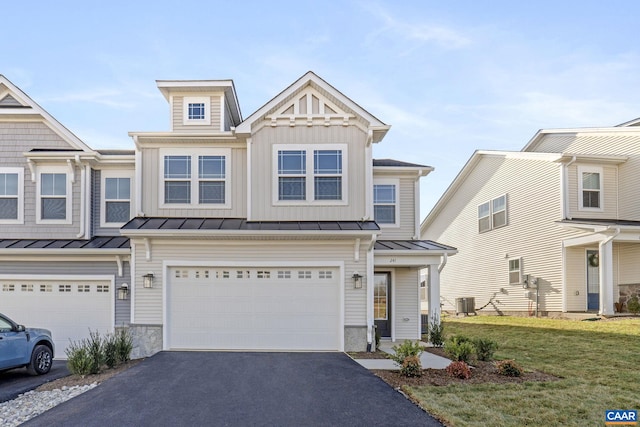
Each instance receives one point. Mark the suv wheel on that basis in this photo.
(40, 360)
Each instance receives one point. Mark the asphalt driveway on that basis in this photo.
(18, 381)
(247, 389)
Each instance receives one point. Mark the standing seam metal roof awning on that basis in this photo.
(235, 224)
(98, 242)
(411, 245)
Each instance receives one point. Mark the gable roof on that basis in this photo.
(377, 127)
(13, 95)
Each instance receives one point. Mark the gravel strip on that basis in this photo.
(33, 403)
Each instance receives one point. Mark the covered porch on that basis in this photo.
(601, 271)
(399, 304)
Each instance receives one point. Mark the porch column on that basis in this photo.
(433, 293)
(606, 277)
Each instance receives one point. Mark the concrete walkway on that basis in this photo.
(428, 360)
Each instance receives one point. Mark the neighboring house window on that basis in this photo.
(196, 179)
(385, 202)
(54, 196)
(11, 193)
(590, 187)
(116, 198)
(492, 214)
(515, 271)
(310, 174)
(197, 110)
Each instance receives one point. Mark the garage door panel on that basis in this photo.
(261, 309)
(69, 309)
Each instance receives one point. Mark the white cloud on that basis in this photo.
(107, 97)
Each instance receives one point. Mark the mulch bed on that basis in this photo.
(482, 372)
(369, 354)
(74, 380)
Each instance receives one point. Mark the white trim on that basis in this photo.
(368, 213)
(309, 175)
(388, 181)
(69, 195)
(492, 226)
(132, 288)
(591, 169)
(194, 180)
(392, 277)
(167, 264)
(20, 195)
(249, 178)
(104, 174)
(138, 180)
(222, 111)
(509, 271)
(206, 100)
(416, 208)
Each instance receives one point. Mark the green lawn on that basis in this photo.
(599, 363)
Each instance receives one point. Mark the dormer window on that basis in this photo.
(590, 188)
(197, 110)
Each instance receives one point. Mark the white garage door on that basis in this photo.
(254, 308)
(68, 308)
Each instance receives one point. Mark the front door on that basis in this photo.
(593, 280)
(382, 303)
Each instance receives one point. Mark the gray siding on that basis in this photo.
(9, 101)
(15, 139)
(262, 174)
(609, 194)
(407, 204)
(178, 118)
(48, 268)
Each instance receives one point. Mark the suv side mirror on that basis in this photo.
(20, 328)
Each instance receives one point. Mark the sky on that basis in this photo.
(450, 77)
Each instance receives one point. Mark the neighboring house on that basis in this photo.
(554, 228)
(276, 232)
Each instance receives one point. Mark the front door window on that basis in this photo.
(593, 280)
(382, 303)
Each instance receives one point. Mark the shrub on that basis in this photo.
(460, 348)
(94, 348)
(459, 369)
(633, 305)
(485, 348)
(509, 368)
(406, 349)
(79, 361)
(436, 333)
(411, 367)
(110, 350)
(124, 345)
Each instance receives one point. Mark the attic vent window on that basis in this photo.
(196, 111)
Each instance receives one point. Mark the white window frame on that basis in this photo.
(309, 175)
(104, 174)
(20, 195)
(195, 180)
(396, 183)
(590, 169)
(492, 226)
(69, 195)
(196, 100)
(519, 271)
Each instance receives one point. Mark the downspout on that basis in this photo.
(565, 188)
(138, 166)
(370, 323)
(83, 179)
(443, 263)
(416, 201)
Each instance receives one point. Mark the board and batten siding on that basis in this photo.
(148, 302)
(152, 181)
(407, 206)
(50, 269)
(609, 193)
(21, 137)
(262, 175)
(177, 116)
(481, 267)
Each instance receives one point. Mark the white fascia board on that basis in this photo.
(535, 140)
(165, 86)
(592, 158)
(348, 234)
(421, 171)
(60, 155)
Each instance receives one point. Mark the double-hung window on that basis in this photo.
(198, 179)
(116, 198)
(11, 193)
(492, 214)
(515, 271)
(309, 174)
(385, 202)
(54, 196)
(590, 188)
